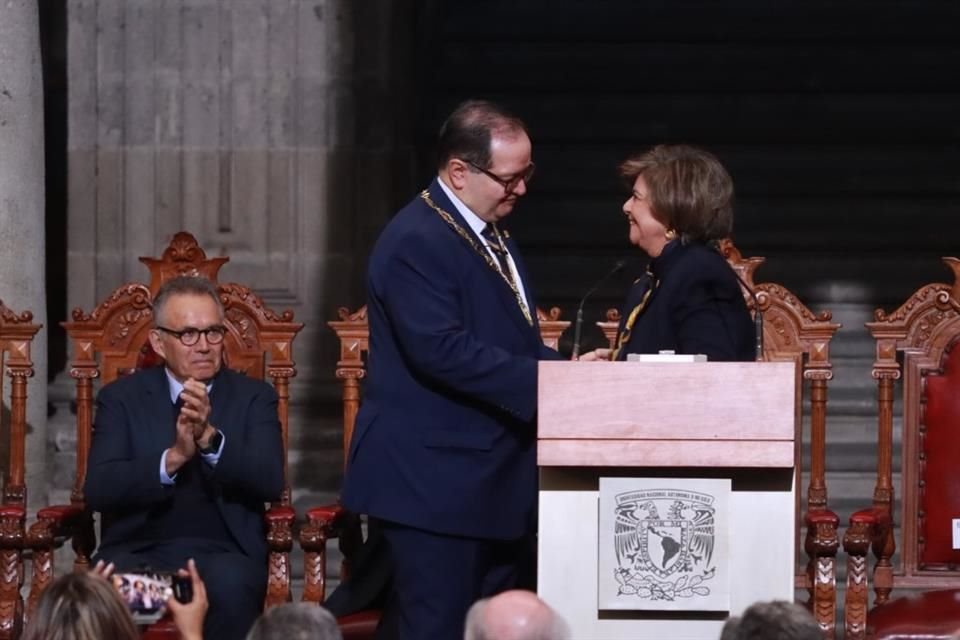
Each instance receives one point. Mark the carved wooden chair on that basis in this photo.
(112, 341)
(333, 521)
(16, 335)
(793, 333)
(925, 334)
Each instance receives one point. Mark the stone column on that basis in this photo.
(22, 250)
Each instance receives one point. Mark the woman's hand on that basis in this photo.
(102, 569)
(188, 617)
(596, 354)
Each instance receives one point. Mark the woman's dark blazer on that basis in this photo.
(696, 306)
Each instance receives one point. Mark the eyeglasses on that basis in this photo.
(191, 336)
(508, 184)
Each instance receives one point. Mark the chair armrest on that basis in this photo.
(279, 520)
(821, 544)
(823, 537)
(280, 528)
(12, 518)
(869, 528)
(330, 518)
(54, 525)
(324, 523)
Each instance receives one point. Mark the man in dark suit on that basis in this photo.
(184, 457)
(443, 451)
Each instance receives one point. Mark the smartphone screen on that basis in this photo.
(145, 594)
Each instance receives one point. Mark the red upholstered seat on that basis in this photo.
(925, 333)
(359, 626)
(927, 615)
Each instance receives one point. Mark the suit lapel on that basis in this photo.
(480, 255)
(161, 427)
(220, 399)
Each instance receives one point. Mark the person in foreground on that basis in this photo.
(183, 458)
(689, 301)
(85, 606)
(776, 620)
(296, 621)
(443, 451)
(514, 615)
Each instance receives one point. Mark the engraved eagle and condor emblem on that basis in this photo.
(664, 543)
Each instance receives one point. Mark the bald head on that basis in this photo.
(514, 615)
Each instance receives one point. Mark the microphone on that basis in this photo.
(617, 268)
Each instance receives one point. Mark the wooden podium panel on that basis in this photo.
(665, 420)
(696, 414)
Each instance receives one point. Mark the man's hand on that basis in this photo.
(597, 354)
(196, 407)
(184, 447)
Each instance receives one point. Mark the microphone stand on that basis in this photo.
(757, 313)
(617, 268)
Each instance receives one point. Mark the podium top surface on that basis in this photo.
(668, 414)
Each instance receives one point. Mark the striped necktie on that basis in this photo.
(495, 241)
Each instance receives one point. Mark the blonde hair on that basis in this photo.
(80, 606)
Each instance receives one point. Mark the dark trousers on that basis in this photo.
(236, 584)
(437, 577)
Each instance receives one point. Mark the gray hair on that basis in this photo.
(777, 619)
(184, 285)
(296, 621)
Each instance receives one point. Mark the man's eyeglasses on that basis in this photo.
(191, 336)
(508, 184)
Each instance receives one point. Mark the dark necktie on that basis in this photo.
(493, 238)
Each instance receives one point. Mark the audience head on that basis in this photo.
(81, 606)
(686, 192)
(514, 615)
(730, 628)
(777, 620)
(296, 621)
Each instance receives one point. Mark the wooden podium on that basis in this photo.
(666, 420)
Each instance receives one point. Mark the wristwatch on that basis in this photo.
(214, 445)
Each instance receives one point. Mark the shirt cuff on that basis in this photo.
(166, 479)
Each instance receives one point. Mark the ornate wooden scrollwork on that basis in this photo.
(109, 341)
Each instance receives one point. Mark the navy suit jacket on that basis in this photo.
(695, 307)
(134, 424)
(445, 438)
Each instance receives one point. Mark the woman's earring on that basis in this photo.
(670, 234)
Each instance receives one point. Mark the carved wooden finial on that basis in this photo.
(954, 265)
(183, 257)
(8, 316)
(745, 267)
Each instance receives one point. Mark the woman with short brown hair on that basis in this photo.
(689, 300)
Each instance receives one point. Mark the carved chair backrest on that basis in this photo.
(925, 333)
(354, 334)
(16, 336)
(112, 340)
